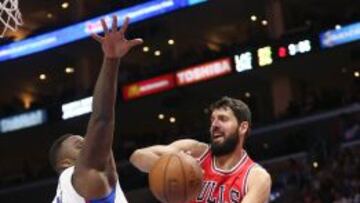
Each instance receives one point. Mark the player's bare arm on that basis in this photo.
(90, 178)
(145, 158)
(259, 185)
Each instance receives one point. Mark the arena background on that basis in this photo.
(296, 63)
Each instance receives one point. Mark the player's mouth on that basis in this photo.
(216, 136)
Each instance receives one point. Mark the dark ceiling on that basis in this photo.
(213, 26)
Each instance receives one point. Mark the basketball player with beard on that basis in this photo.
(230, 175)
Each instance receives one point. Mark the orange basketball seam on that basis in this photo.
(184, 175)
(164, 180)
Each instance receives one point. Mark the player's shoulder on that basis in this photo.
(258, 174)
(68, 193)
(259, 170)
(65, 191)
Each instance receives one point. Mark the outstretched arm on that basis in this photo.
(99, 136)
(145, 158)
(89, 177)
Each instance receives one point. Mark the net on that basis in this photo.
(10, 16)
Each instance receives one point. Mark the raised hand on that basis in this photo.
(114, 43)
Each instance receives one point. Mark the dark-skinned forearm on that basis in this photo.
(99, 136)
(105, 91)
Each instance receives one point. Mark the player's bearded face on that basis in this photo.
(224, 132)
(226, 146)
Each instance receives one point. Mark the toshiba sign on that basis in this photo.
(203, 72)
(150, 86)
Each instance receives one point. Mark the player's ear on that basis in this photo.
(243, 128)
(65, 163)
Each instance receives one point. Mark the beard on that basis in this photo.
(226, 147)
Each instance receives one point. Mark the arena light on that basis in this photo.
(146, 49)
(49, 15)
(264, 22)
(84, 29)
(27, 100)
(157, 53)
(161, 116)
(172, 119)
(65, 5)
(76, 108)
(22, 121)
(171, 42)
(69, 70)
(253, 18)
(42, 77)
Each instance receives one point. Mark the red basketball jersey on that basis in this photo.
(223, 186)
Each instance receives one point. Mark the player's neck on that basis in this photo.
(227, 162)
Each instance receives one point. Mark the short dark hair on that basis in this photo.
(55, 149)
(240, 109)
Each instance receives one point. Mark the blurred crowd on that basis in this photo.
(335, 179)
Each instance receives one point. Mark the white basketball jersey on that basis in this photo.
(66, 193)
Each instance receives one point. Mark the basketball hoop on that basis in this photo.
(10, 16)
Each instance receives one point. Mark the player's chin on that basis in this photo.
(216, 144)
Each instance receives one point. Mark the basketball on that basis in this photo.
(175, 178)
